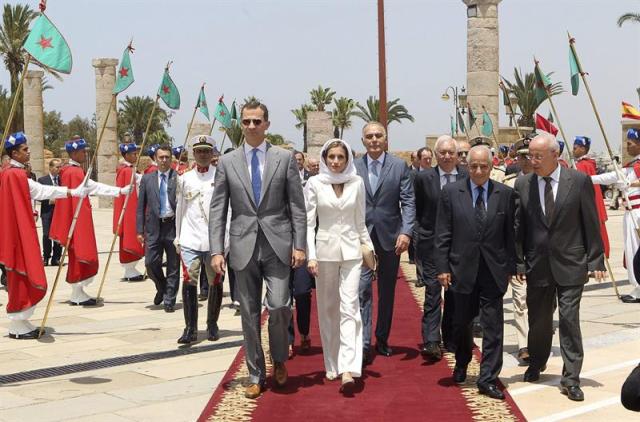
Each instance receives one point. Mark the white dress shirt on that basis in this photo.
(380, 161)
(443, 176)
(40, 192)
(167, 205)
(262, 154)
(555, 179)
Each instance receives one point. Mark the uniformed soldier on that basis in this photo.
(151, 153)
(561, 160)
(182, 160)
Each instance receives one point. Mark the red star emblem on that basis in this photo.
(124, 72)
(222, 113)
(45, 42)
(165, 89)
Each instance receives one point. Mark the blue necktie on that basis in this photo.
(163, 194)
(373, 177)
(256, 181)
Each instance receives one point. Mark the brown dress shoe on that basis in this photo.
(305, 344)
(280, 374)
(253, 391)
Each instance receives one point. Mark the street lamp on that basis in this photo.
(459, 101)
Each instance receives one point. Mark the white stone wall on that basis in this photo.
(33, 119)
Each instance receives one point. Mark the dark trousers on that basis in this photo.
(168, 284)
(485, 299)
(47, 244)
(388, 263)
(540, 302)
(301, 285)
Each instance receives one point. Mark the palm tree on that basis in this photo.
(275, 139)
(342, 113)
(524, 90)
(321, 97)
(629, 17)
(134, 116)
(371, 113)
(234, 133)
(13, 32)
(301, 117)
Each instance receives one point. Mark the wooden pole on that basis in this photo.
(7, 126)
(493, 133)
(512, 112)
(382, 65)
(75, 218)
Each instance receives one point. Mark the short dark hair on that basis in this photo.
(252, 105)
(166, 148)
(423, 149)
(296, 152)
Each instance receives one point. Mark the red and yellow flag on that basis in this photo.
(630, 112)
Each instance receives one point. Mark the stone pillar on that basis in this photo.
(483, 57)
(319, 131)
(105, 70)
(33, 119)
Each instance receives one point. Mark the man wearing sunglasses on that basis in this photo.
(463, 151)
(390, 215)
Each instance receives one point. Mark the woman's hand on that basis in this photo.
(312, 267)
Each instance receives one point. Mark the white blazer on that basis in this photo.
(341, 221)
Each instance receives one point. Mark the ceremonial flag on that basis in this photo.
(472, 117)
(124, 75)
(575, 71)
(222, 114)
(453, 127)
(487, 125)
(234, 111)
(546, 125)
(168, 91)
(202, 103)
(630, 112)
(47, 45)
(542, 83)
(461, 121)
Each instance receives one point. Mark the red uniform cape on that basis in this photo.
(508, 161)
(150, 169)
(19, 245)
(588, 166)
(83, 252)
(130, 249)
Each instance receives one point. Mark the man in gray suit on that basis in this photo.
(267, 236)
(156, 227)
(390, 217)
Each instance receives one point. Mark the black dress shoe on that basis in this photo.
(573, 392)
(431, 350)
(31, 335)
(88, 302)
(383, 349)
(55, 263)
(45, 262)
(629, 299)
(213, 333)
(157, 300)
(169, 308)
(459, 374)
(136, 278)
(202, 297)
(491, 390)
(533, 374)
(189, 335)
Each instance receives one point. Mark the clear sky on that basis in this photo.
(279, 50)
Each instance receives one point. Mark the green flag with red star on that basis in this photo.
(487, 125)
(48, 47)
(168, 91)
(222, 114)
(543, 82)
(234, 111)
(202, 103)
(124, 75)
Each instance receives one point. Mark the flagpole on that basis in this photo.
(493, 133)
(193, 116)
(475, 122)
(511, 110)
(7, 126)
(75, 217)
(224, 138)
(128, 196)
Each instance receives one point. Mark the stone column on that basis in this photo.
(105, 70)
(33, 118)
(319, 131)
(483, 57)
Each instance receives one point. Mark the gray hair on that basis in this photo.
(374, 123)
(481, 149)
(445, 138)
(550, 141)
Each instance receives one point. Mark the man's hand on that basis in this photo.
(176, 243)
(445, 280)
(125, 190)
(402, 244)
(140, 238)
(297, 258)
(218, 264)
(521, 277)
(312, 267)
(600, 275)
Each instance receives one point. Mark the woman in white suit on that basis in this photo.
(336, 196)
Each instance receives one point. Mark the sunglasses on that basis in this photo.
(463, 153)
(247, 122)
(374, 135)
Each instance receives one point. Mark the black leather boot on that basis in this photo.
(213, 311)
(190, 308)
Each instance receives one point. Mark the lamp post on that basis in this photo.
(459, 101)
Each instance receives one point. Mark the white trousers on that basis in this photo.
(78, 294)
(130, 270)
(520, 310)
(339, 316)
(19, 321)
(631, 244)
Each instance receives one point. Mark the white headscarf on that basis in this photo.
(327, 176)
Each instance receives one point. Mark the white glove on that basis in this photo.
(125, 190)
(622, 184)
(79, 192)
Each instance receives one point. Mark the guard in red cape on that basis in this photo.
(131, 251)
(587, 165)
(19, 246)
(83, 252)
(182, 160)
(151, 153)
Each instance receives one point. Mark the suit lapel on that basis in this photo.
(239, 164)
(564, 187)
(386, 168)
(361, 165)
(271, 163)
(493, 199)
(464, 198)
(534, 198)
(156, 185)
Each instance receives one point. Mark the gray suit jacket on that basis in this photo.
(391, 208)
(281, 215)
(148, 211)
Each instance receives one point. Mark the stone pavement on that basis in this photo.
(135, 371)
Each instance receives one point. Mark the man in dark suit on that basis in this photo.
(558, 244)
(475, 257)
(390, 215)
(156, 227)
(46, 213)
(427, 187)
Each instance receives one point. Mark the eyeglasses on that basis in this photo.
(463, 153)
(377, 135)
(247, 122)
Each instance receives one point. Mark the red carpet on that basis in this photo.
(401, 388)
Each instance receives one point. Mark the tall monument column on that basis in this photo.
(319, 131)
(33, 119)
(483, 57)
(105, 69)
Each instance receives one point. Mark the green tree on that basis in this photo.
(524, 89)
(629, 17)
(55, 131)
(275, 139)
(14, 30)
(301, 118)
(134, 116)
(321, 97)
(342, 113)
(5, 106)
(371, 113)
